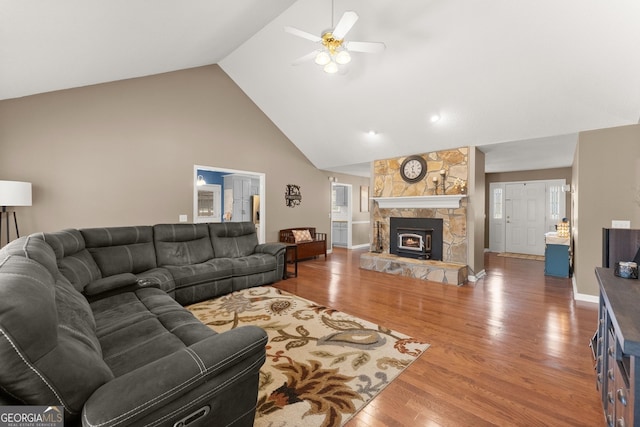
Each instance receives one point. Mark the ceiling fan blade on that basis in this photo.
(346, 22)
(309, 56)
(303, 34)
(367, 47)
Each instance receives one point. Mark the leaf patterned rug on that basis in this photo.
(322, 365)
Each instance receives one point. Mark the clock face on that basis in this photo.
(413, 169)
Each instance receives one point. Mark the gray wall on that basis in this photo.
(122, 153)
(606, 180)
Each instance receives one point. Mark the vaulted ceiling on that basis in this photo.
(517, 78)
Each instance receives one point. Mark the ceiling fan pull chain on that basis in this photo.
(332, 14)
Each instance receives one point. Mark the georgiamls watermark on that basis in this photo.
(31, 416)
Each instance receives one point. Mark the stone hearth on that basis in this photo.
(436, 271)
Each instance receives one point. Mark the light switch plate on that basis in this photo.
(616, 223)
(182, 218)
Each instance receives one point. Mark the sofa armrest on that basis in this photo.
(116, 284)
(274, 249)
(110, 283)
(174, 386)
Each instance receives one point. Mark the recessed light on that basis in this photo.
(372, 133)
(435, 118)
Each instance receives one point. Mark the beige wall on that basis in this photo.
(519, 176)
(122, 153)
(606, 179)
(476, 212)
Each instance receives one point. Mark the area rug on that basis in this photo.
(521, 256)
(322, 365)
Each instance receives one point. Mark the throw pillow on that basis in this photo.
(302, 236)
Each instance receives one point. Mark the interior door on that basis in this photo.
(525, 217)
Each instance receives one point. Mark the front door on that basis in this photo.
(525, 217)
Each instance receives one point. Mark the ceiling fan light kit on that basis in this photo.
(331, 68)
(343, 57)
(322, 58)
(334, 50)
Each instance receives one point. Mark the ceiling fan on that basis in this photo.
(335, 49)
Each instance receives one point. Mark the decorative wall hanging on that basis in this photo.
(292, 195)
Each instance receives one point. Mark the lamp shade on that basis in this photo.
(15, 193)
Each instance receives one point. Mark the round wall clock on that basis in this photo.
(413, 169)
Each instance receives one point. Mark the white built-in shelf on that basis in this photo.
(448, 201)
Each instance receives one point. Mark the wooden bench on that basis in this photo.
(306, 249)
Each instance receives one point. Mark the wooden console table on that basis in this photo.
(617, 348)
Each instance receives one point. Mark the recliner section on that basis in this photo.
(190, 262)
(93, 320)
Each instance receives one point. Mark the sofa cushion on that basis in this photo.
(117, 312)
(48, 349)
(233, 239)
(75, 315)
(197, 282)
(154, 326)
(182, 244)
(74, 261)
(252, 264)
(253, 280)
(119, 250)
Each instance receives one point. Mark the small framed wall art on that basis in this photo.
(292, 195)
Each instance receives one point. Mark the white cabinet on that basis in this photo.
(240, 189)
(209, 208)
(339, 235)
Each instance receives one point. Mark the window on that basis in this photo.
(497, 203)
(555, 192)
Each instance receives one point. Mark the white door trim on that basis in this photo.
(553, 214)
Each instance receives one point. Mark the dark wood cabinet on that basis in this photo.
(617, 348)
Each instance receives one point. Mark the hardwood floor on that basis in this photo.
(509, 350)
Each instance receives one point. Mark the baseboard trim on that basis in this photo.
(479, 275)
(361, 246)
(583, 297)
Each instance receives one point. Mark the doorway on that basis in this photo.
(341, 215)
(229, 195)
(522, 212)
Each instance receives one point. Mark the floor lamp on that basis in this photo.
(13, 193)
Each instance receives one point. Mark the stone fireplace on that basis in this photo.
(410, 204)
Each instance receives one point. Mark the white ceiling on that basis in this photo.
(516, 78)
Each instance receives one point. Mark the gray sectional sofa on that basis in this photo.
(93, 320)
